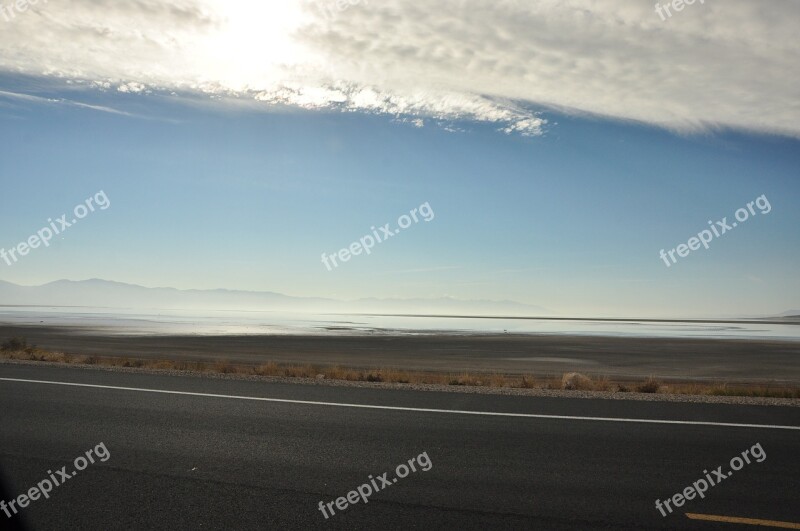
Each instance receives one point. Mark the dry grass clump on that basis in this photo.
(724, 389)
(466, 379)
(343, 373)
(430, 378)
(300, 371)
(651, 385)
(161, 364)
(771, 392)
(267, 369)
(35, 354)
(603, 384)
(224, 367)
(398, 376)
(57, 357)
(575, 381)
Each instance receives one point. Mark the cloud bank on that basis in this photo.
(730, 64)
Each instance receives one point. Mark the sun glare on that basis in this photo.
(253, 43)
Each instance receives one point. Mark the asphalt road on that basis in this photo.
(187, 460)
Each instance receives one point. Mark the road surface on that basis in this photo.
(208, 453)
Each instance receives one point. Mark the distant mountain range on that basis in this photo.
(108, 294)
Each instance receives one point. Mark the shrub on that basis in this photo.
(466, 379)
(603, 384)
(15, 344)
(649, 386)
(267, 369)
(223, 367)
(300, 371)
(575, 381)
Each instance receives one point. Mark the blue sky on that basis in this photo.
(230, 192)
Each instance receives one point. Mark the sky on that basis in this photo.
(555, 149)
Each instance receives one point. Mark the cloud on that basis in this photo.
(26, 97)
(39, 99)
(712, 65)
(63, 101)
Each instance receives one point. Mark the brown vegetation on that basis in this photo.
(18, 349)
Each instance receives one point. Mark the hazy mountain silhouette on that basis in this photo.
(108, 294)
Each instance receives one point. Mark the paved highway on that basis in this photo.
(204, 453)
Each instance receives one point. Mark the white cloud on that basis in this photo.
(39, 99)
(717, 64)
(131, 87)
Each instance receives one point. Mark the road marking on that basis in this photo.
(416, 409)
(737, 520)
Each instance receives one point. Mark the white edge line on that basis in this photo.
(400, 408)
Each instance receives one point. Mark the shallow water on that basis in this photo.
(181, 322)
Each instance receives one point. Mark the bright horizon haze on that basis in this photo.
(559, 147)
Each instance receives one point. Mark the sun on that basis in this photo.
(253, 44)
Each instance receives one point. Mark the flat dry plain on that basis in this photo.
(732, 360)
